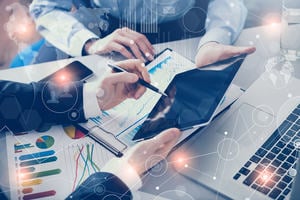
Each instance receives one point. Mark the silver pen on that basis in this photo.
(140, 81)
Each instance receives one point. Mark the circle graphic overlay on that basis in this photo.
(189, 22)
(158, 165)
(74, 115)
(279, 72)
(100, 189)
(228, 149)
(55, 93)
(263, 115)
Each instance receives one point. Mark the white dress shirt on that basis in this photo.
(91, 109)
(225, 19)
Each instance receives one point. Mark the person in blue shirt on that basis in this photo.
(21, 30)
(131, 27)
(27, 56)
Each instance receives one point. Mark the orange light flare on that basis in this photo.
(62, 78)
(22, 175)
(129, 172)
(22, 31)
(180, 160)
(273, 21)
(273, 26)
(264, 178)
(20, 26)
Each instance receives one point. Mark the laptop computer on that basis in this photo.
(251, 151)
(124, 125)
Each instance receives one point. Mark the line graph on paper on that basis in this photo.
(129, 114)
(83, 159)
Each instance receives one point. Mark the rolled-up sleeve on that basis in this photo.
(56, 24)
(225, 21)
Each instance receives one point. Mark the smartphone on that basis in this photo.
(75, 71)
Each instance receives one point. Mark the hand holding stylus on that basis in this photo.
(117, 87)
(116, 68)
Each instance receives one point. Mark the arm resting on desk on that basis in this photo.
(37, 106)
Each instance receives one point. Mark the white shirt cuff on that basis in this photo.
(78, 41)
(61, 34)
(125, 172)
(219, 35)
(90, 103)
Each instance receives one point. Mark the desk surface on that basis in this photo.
(266, 40)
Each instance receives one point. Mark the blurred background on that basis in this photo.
(263, 12)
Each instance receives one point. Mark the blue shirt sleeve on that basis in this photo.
(225, 21)
(26, 57)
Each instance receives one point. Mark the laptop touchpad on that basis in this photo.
(247, 121)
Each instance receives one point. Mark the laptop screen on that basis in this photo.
(193, 97)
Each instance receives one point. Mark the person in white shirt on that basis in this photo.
(131, 27)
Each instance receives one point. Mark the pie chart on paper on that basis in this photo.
(73, 132)
(45, 142)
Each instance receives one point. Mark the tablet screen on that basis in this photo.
(193, 97)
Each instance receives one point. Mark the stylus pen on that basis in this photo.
(141, 81)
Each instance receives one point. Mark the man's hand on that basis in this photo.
(212, 52)
(139, 157)
(117, 87)
(143, 156)
(160, 147)
(129, 43)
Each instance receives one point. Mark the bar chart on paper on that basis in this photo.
(36, 166)
(51, 165)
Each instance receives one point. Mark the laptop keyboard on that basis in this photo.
(272, 168)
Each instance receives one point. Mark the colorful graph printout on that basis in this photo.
(73, 132)
(45, 142)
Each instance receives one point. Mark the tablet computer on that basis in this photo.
(193, 98)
